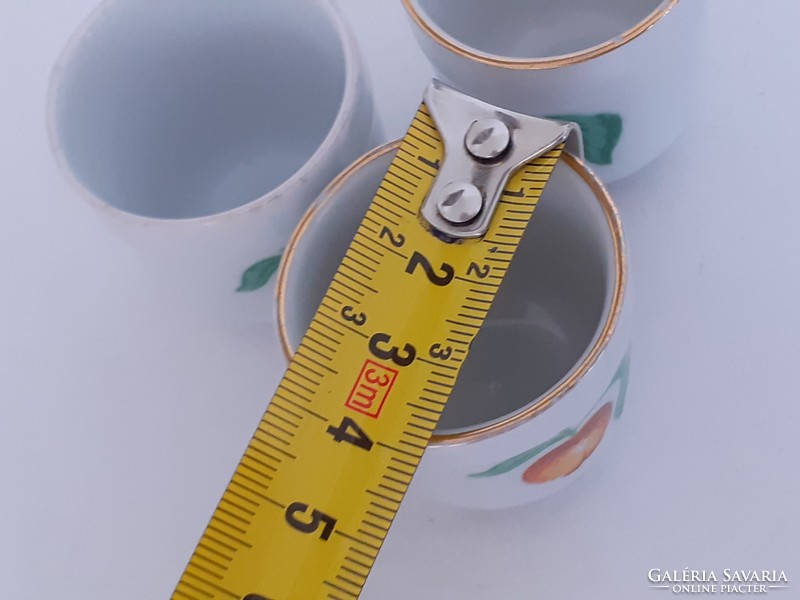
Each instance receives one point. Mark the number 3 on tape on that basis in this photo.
(312, 499)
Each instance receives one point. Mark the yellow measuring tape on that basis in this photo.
(311, 502)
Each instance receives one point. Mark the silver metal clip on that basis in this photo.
(483, 147)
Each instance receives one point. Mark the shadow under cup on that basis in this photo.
(178, 109)
(553, 305)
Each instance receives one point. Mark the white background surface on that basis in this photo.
(123, 411)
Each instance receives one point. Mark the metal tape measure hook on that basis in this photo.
(484, 146)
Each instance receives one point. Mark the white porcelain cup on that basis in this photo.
(203, 129)
(624, 70)
(547, 375)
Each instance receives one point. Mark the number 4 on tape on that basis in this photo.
(310, 504)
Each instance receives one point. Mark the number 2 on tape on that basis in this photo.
(312, 499)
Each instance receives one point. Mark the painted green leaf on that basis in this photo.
(601, 134)
(521, 459)
(622, 375)
(257, 276)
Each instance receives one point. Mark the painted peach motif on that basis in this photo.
(569, 449)
(569, 456)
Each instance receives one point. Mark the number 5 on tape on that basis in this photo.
(311, 502)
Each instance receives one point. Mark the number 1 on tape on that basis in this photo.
(311, 502)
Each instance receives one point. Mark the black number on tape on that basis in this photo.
(518, 194)
(480, 271)
(395, 239)
(314, 520)
(440, 352)
(419, 260)
(431, 163)
(349, 431)
(377, 345)
(349, 315)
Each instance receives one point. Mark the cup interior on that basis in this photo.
(534, 29)
(178, 109)
(553, 304)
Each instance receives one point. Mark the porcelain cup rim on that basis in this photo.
(577, 373)
(448, 42)
(353, 69)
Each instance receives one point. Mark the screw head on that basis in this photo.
(487, 139)
(460, 203)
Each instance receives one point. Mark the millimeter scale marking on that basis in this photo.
(310, 504)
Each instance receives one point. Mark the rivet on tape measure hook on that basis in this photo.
(483, 146)
(309, 506)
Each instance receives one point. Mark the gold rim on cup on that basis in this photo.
(576, 374)
(535, 64)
